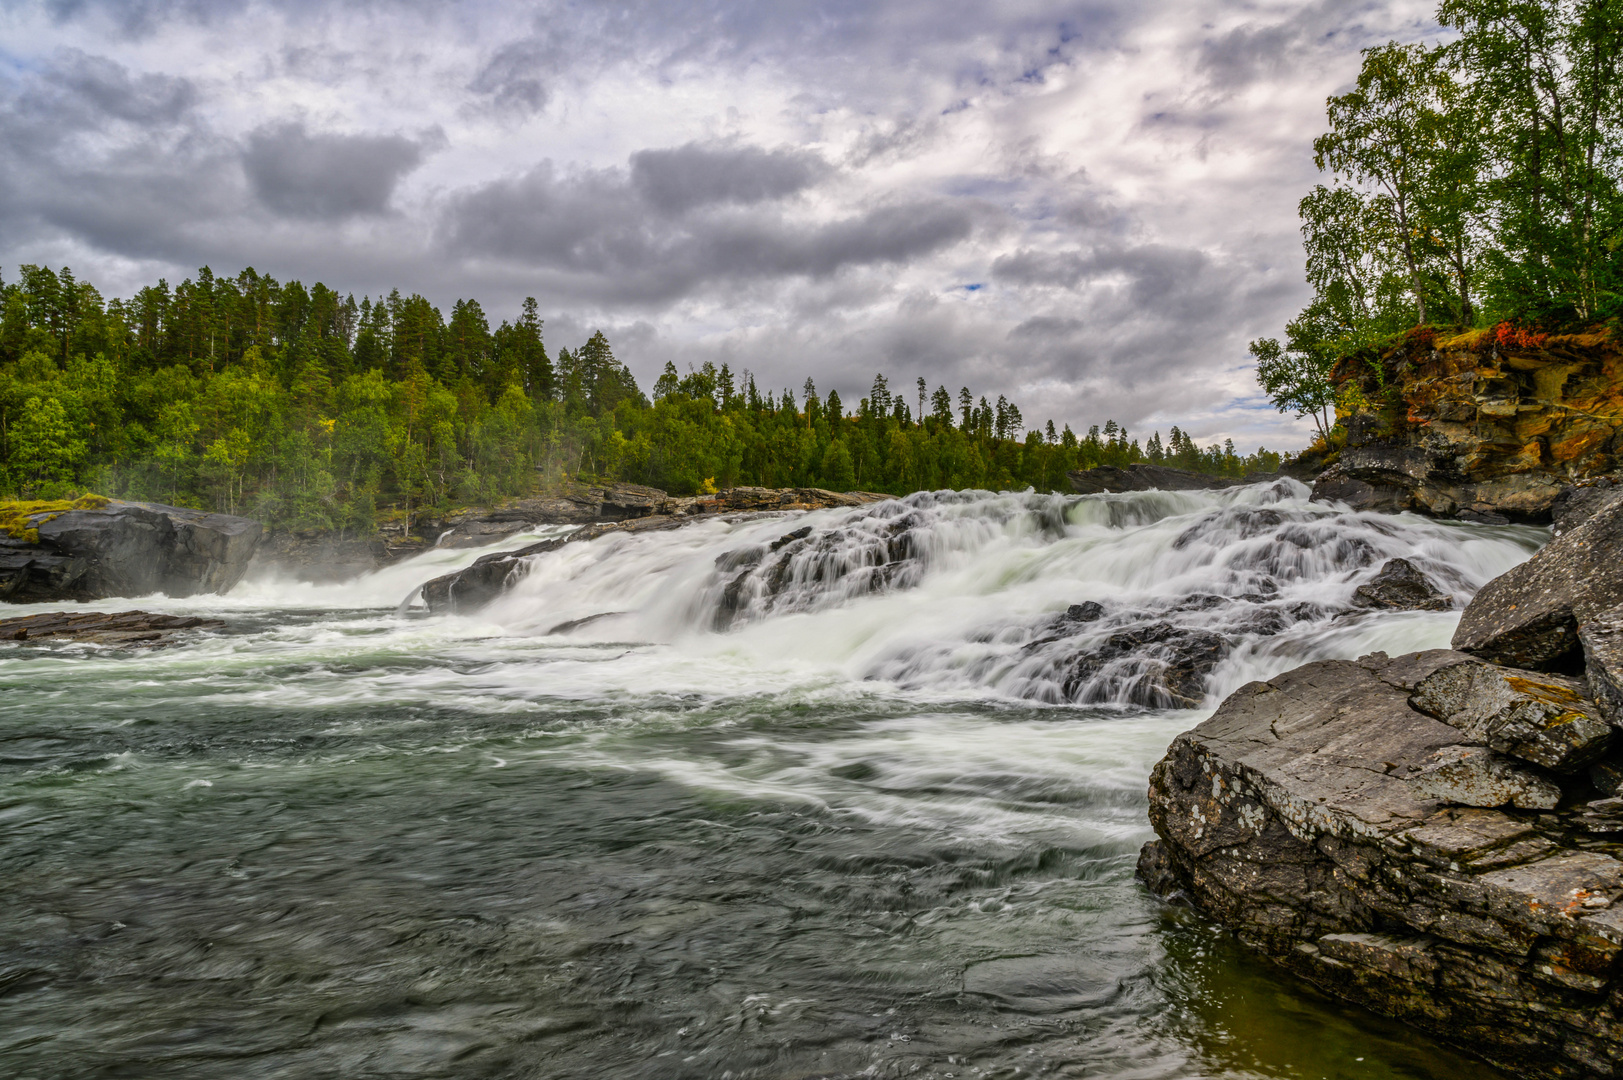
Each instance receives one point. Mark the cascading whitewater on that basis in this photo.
(1139, 599)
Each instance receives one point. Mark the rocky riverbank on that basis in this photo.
(97, 547)
(1436, 836)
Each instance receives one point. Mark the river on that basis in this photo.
(881, 823)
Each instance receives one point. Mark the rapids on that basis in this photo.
(848, 793)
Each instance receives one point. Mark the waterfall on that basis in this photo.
(1143, 599)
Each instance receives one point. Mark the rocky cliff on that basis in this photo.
(1437, 836)
(98, 548)
(1488, 424)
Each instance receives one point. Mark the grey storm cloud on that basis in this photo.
(512, 78)
(679, 179)
(1012, 196)
(326, 176)
(640, 227)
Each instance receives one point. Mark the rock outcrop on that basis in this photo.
(138, 629)
(101, 548)
(1436, 836)
(1492, 425)
(1530, 616)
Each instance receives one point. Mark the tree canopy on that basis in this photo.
(1470, 183)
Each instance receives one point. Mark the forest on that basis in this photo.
(312, 411)
(1475, 183)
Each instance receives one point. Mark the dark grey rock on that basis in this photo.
(1540, 718)
(1400, 585)
(1528, 617)
(1301, 815)
(1601, 635)
(127, 549)
(469, 589)
(1578, 503)
(1085, 612)
(138, 629)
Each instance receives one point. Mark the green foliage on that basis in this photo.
(314, 412)
(1471, 183)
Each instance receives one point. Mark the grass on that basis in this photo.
(21, 520)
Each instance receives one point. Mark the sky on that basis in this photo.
(1086, 206)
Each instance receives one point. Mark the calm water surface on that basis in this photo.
(860, 834)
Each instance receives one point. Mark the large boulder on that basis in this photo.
(1529, 616)
(1544, 719)
(101, 548)
(1397, 862)
(1400, 585)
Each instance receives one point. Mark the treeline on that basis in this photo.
(311, 411)
(1472, 183)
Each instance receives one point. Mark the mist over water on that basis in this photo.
(862, 801)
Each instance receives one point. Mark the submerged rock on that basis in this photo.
(471, 588)
(129, 628)
(124, 549)
(1400, 585)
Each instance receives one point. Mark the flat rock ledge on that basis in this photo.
(138, 629)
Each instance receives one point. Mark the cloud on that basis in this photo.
(512, 78)
(641, 232)
(326, 177)
(800, 188)
(682, 178)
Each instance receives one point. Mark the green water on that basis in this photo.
(344, 842)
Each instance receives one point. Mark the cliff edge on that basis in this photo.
(1490, 424)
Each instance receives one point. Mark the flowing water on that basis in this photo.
(863, 801)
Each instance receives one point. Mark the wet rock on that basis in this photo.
(1085, 612)
(1476, 776)
(125, 549)
(1311, 814)
(1544, 719)
(1529, 616)
(139, 629)
(1601, 636)
(1400, 585)
(1159, 665)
